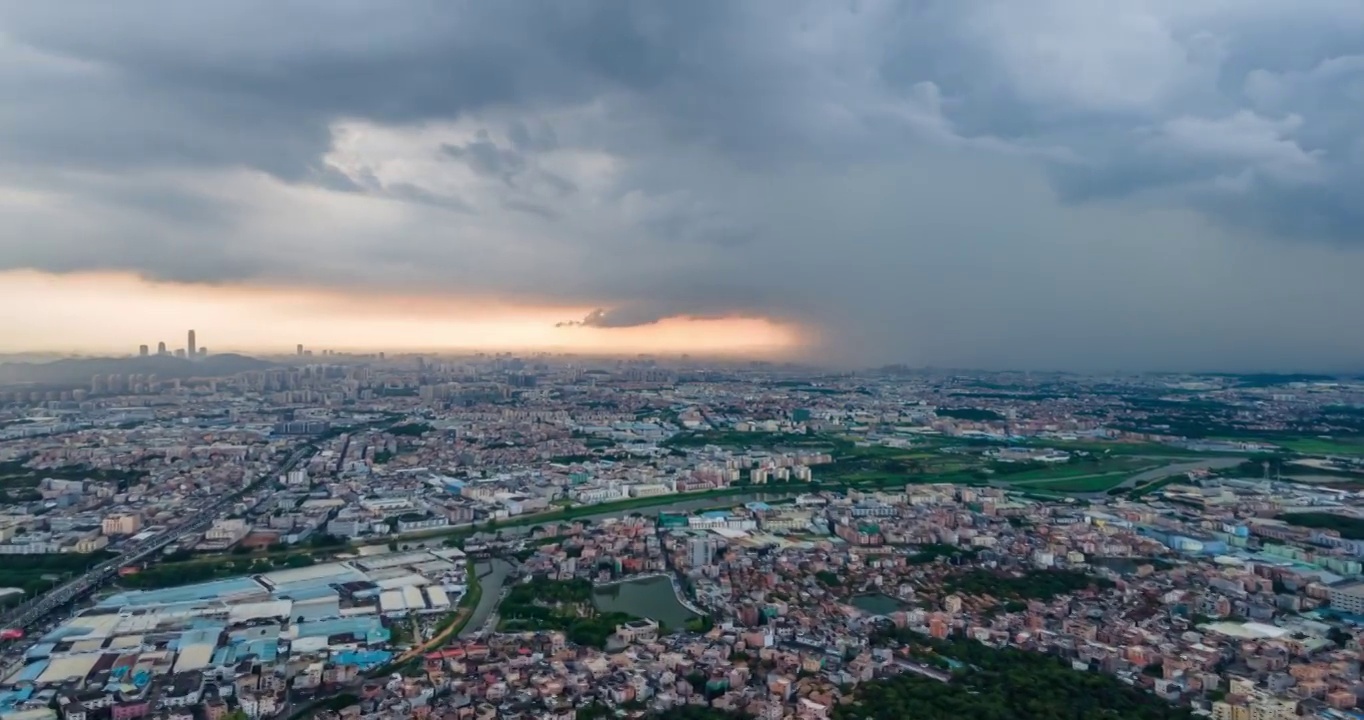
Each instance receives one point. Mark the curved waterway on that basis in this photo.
(492, 576)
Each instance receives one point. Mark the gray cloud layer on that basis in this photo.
(1058, 183)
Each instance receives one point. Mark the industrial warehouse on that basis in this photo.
(236, 636)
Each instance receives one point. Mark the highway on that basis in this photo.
(29, 613)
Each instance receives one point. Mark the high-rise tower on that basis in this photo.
(189, 347)
(161, 348)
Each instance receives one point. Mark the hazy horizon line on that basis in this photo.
(806, 362)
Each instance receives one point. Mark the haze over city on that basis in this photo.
(1064, 184)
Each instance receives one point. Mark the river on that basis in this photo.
(492, 575)
(1215, 463)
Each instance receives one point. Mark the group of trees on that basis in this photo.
(697, 712)
(414, 429)
(544, 604)
(172, 574)
(828, 578)
(19, 483)
(932, 551)
(1033, 584)
(1002, 684)
(36, 574)
(1348, 527)
(735, 438)
(162, 576)
(572, 459)
(601, 711)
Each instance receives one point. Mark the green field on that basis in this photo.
(1099, 447)
(881, 480)
(884, 467)
(1076, 470)
(734, 438)
(1323, 446)
(1080, 484)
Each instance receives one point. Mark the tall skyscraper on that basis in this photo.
(189, 347)
(161, 348)
(143, 351)
(300, 349)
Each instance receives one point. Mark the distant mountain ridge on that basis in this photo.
(78, 371)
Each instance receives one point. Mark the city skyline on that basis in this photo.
(275, 320)
(413, 324)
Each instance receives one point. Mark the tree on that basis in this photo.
(997, 684)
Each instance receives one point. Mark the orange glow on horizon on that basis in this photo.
(115, 312)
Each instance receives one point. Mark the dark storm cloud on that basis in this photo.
(526, 139)
(1055, 183)
(486, 158)
(530, 208)
(619, 317)
(413, 193)
(644, 313)
(255, 77)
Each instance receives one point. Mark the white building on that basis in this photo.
(1348, 598)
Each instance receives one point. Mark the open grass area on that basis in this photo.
(1062, 471)
(734, 438)
(1100, 447)
(879, 479)
(1322, 446)
(1081, 484)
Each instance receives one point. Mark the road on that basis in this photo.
(24, 616)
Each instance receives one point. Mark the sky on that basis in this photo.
(1056, 184)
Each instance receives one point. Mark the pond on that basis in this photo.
(878, 603)
(651, 598)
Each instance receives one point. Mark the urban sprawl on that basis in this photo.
(194, 536)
